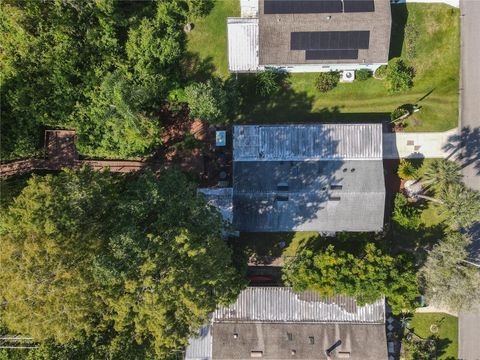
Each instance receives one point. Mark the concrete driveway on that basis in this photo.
(469, 129)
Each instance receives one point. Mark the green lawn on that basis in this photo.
(447, 331)
(435, 59)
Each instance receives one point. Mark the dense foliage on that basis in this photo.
(406, 215)
(366, 276)
(399, 76)
(448, 279)
(207, 101)
(269, 82)
(134, 264)
(66, 64)
(363, 74)
(327, 81)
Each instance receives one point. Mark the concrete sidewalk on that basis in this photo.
(418, 145)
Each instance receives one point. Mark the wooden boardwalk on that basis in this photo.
(62, 153)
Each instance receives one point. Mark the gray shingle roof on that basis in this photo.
(275, 30)
(359, 341)
(310, 198)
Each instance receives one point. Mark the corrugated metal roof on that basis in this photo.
(307, 142)
(200, 347)
(242, 44)
(281, 304)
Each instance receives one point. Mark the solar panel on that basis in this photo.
(329, 40)
(358, 6)
(331, 54)
(302, 6)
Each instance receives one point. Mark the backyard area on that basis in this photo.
(441, 325)
(426, 36)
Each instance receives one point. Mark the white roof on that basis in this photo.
(303, 142)
(242, 44)
(281, 304)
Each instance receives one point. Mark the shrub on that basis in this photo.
(363, 74)
(381, 72)
(399, 76)
(269, 82)
(406, 170)
(398, 112)
(327, 81)
(207, 101)
(405, 214)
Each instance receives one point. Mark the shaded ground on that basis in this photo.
(427, 35)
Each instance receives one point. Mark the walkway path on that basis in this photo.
(61, 152)
(419, 145)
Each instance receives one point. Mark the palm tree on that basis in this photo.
(460, 205)
(441, 173)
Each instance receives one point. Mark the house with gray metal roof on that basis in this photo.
(309, 35)
(308, 177)
(277, 323)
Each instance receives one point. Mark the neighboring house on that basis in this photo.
(276, 323)
(312, 177)
(309, 35)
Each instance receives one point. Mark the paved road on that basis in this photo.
(470, 93)
(469, 138)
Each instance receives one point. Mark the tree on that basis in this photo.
(399, 76)
(460, 205)
(327, 81)
(114, 124)
(447, 279)
(440, 173)
(207, 101)
(138, 258)
(366, 277)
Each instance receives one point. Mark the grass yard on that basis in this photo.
(447, 331)
(425, 35)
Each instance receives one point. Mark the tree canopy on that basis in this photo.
(366, 276)
(448, 279)
(58, 57)
(137, 260)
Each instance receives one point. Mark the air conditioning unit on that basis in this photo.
(348, 76)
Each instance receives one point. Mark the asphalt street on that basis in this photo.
(469, 128)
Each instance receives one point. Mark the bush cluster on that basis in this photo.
(363, 74)
(405, 214)
(269, 82)
(327, 81)
(398, 112)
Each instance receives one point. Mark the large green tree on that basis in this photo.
(57, 56)
(140, 258)
(447, 277)
(366, 276)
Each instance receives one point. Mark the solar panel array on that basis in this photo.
(330, 45)
(331, 54)
(317, 6)
(329, 40)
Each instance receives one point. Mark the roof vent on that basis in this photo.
(294, 352)
(281, 198)
(256, 354)
(235, 336)
(289, 336)
(336, 187)
(311, 340)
